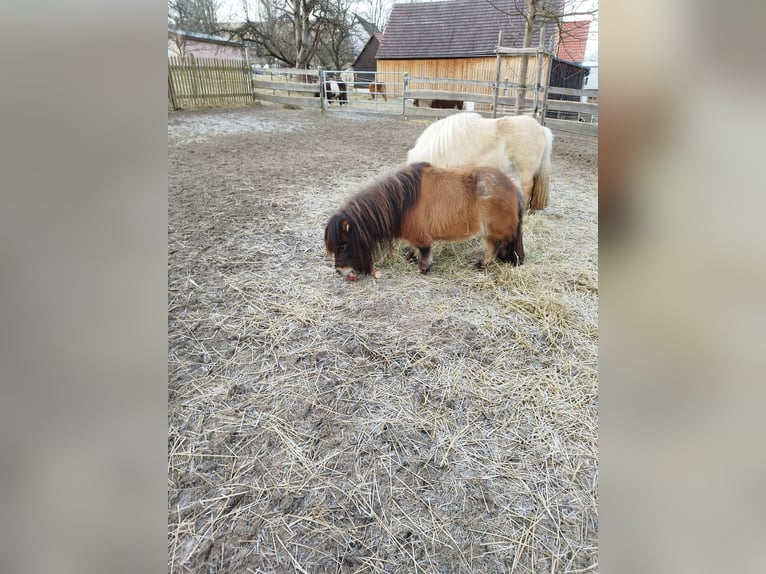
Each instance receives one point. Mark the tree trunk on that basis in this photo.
(302, 34)
(524, 65)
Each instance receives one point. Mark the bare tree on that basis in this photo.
(191, 16)
(336, 38)
(304, 32)
(289, 30)
(194, 15)
(270, 27)
(373, 14)
(536, 14)
(308, 19)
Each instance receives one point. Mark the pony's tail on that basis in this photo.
(542, 182)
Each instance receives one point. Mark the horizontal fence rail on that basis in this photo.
(205, 82)
(287, 86)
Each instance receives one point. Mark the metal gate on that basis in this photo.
(373, 92)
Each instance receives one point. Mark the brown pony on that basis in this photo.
(421, 204)
(379, 88)
(441, 104)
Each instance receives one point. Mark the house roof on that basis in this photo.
(367, 46)
(455, 28)
(574, 37)
(200, 37)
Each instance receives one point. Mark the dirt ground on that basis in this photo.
(438, 423)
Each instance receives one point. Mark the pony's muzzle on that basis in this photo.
(346, 273)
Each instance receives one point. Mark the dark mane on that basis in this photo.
(375, 214)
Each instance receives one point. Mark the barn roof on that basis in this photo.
(455, 28)
(200, 37)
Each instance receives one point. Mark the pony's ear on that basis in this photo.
(337, 232)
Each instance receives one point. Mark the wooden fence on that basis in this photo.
(207, 82)
(287, 86)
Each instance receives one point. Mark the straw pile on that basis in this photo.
(438, 423)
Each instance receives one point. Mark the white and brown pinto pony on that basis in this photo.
(512, 144)
(421, 204)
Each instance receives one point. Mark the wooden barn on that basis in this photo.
(458, 39)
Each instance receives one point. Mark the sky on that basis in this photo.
(232, 10)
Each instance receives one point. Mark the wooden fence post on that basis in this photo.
(545, 90)
(322, 94)
(194, 73)
(497, 73)
(251, 82)
(538, 81)
(506, 83)
(171, 88)
(405, 84)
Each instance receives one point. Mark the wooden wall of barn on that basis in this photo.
(483, 69)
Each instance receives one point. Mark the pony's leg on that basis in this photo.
(493, 246)
(527, 184)
(426, 259)
(512, 251)
(516, 249)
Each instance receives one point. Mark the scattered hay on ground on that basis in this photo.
(438, 423)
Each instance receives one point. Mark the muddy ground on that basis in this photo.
(439, 423)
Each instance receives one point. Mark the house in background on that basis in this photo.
(200, 45)
(572, 46)
(591, 82)
(364, 64)
(573, 39)
(458, 39)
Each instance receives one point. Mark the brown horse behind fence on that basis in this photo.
(422, 204)
(440, 104)
(379, 88)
